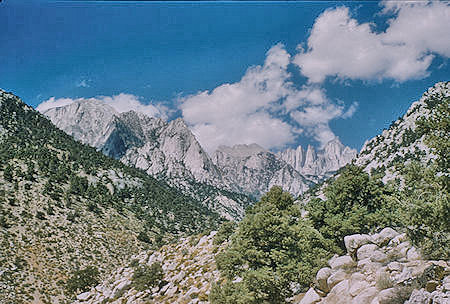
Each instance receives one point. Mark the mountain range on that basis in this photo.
(169, 151)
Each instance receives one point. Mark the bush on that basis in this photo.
(146, 277)
(82, 280)
(224, 233)
(143, 237)
(428, 210)
(355, 203)
(272, 247)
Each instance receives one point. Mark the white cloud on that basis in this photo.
(121, 103)
(242, 112)
(254, 109)
(339, 46)
(314, 118)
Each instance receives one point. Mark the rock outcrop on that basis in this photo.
(165, 150)
(379, 269)
(254, 170)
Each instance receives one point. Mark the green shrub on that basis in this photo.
(428, 210)
(145, 277)
(272, 247)
(82, 280)
(355, 203)
(143, 237)
(224, 232)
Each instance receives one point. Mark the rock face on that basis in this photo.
(402, 142)
(378, 269)
(254, 170)
(318, 165)
(169, 151)
(188, 270)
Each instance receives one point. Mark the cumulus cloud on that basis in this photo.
(242, 112)
(121, 103)
(340, 47)
(254, 109)
(314, 118)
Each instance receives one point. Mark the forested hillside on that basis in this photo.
(69, 214)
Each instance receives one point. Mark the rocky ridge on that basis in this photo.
(165, 150)
(379, 269)
(255, 170)
(318, 165)
(402, 142)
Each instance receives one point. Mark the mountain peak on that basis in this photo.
(241, 150)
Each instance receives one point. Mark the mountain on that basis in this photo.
(68, 211)
(255, 170)
(318, 165)
(170, 152)
(167, 151)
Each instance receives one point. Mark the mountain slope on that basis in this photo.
(403, 141)
(65, 206)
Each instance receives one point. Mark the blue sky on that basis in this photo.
(279, 74)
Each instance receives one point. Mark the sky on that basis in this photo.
(280, 74)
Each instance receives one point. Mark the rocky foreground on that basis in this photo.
(379, 269)
(188, 271)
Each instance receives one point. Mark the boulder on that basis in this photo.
(84, 296)
(335, 278)
(379, 257)
(353, 242)
(366, 296)
(310, 297)
(384, 236)
(357, 284)
(119, 289)
(341, 288)
(419, 297)
(366, 251)
(339, 294)
(322, 277)
(171, 291)
(387, 296)
(395, 266)
(413, 254)
(397, 240)
(342, 262)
